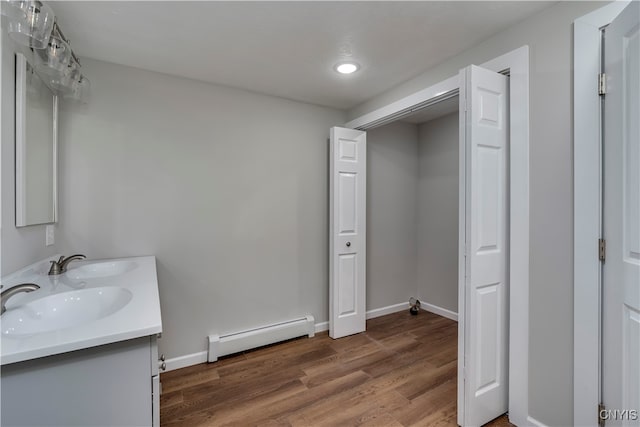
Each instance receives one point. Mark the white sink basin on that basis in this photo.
(64, 310)
(101, 269)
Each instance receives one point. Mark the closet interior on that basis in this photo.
(412, 209)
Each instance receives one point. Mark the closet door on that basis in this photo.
(347, 238)
(483, 296)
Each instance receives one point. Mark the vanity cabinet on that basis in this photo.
(110, 385)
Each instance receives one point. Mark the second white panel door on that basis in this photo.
(347, 248)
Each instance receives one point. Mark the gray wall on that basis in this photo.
(392, 187)
(25, 245)
(549, 36)
(227, 188)
(438, 212)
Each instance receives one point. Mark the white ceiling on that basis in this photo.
(286, 49)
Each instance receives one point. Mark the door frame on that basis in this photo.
(516, 65)
(587, 193)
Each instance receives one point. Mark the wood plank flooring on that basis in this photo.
(401, 372)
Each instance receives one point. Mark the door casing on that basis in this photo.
(516, 65)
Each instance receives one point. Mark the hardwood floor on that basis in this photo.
(401, 372)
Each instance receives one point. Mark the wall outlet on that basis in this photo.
(50, 235)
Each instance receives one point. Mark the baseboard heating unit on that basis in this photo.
(222, 345)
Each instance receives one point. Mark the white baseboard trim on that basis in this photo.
(371, 314)
(322, 326)
(439, 311)
(201, 357)
(186, 360)
(533, 422)
(383, 311)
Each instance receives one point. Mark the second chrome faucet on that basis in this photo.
(24, 287)
(60, 266)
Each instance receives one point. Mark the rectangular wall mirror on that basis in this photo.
(36, 147)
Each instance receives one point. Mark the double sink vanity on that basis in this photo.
(81, 349)
(78, 339)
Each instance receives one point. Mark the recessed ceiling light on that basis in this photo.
(347, 67)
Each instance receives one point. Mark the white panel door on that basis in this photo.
(347, 234)
(621, 269)
(484, 287)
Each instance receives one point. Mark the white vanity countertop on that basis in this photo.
(139, 317)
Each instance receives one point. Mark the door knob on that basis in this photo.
(348, 244)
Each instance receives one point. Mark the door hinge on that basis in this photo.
(602, 410)
(602, 249)
(602, 84)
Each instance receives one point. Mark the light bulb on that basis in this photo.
(347, 67)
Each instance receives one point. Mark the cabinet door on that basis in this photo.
(105, 385)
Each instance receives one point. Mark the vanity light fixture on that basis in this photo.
(56, 56)
(32, 24)
(347, 67)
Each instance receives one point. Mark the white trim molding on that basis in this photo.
(371, 314)
(383, 311)
(439, 310)
(186, 360)
(587, 209)
(322, 326)
(406, 105)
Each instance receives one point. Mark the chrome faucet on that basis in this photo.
(24, 287)
(60, 266)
